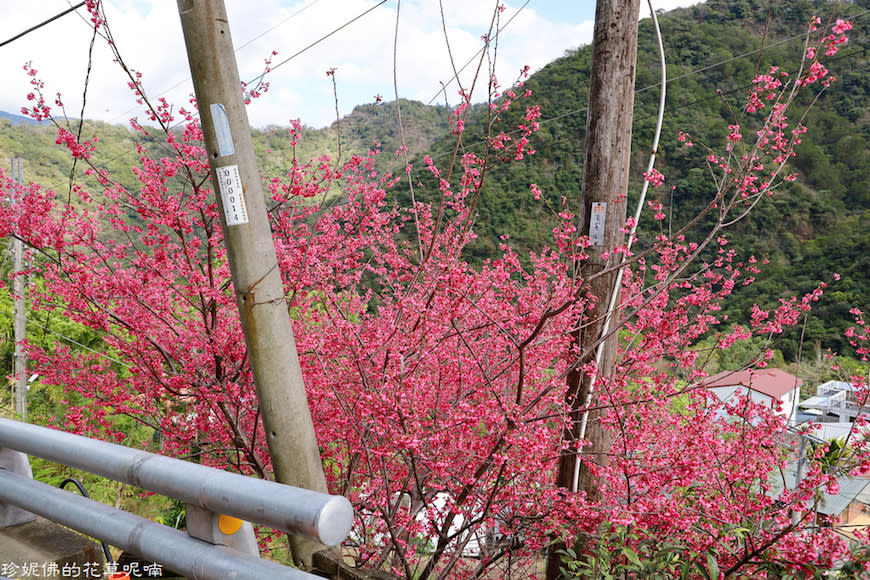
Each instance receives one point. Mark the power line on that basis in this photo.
(316, 42)
(262, 75)
(267, 31)
(247, 43)
(41, 24)
(240, 47)
(843, 54)
(557, 117)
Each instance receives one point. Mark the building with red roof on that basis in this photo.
(768, 386)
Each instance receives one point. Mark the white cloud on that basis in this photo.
(148, 34)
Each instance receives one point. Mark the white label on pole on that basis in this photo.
(222, 129)
(596, 223)
(232, 194)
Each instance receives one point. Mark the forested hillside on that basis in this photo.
(811, 229)
(48, 164)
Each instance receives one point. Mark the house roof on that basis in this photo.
(836, 386)
(817, 402)
(851, 489)
(771, 382)
(830, 431)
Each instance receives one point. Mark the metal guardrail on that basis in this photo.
(155, 542)
(322, 517)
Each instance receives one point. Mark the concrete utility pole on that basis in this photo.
(601, 217)
(19, 289)
(257, 281)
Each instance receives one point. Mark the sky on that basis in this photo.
(148, 35)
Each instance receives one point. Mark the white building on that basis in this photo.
(837, 399)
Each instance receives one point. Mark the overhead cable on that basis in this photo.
(41, 24)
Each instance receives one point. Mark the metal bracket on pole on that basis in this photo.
(221, 530)
(18, 463)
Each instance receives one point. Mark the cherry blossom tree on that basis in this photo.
(437, 388)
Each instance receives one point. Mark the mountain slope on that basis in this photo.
(17, 119)
(712, 52)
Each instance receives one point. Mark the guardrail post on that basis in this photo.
(18, 463)
(221, 529)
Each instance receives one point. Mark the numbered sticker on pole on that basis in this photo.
(230, 183)
(596, 223)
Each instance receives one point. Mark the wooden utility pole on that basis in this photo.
(602, 216)
(257, 281)
(19, 290)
